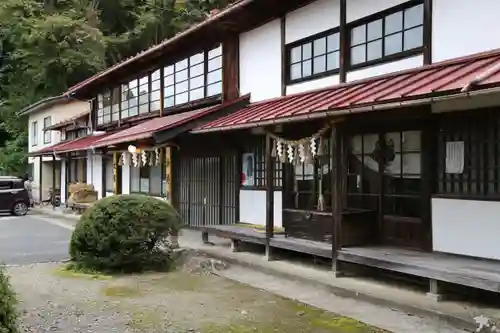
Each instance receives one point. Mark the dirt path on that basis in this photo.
(54, 300)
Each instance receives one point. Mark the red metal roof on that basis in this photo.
(83, 143)
(51, 149)
(479, 71)
(148, 128)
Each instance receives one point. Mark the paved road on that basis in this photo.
(31, 239)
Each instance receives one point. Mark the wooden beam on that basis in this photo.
(269, 189)
(283, 56)
(168, 173)
(115, 172)
(428, 167)
(40, 172)
(343, 41)
(428, 32)
(53, 181)
(337, 159)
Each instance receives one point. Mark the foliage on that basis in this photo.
(124, 233)
(47, 46)
(8, 302)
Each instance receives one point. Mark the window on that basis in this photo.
(109, 186)
(478, 135)
(314, 57)
(148, 179)
(155, 90)
(309, 183)
(34, 133)
(193, 78)
(144, 95)
(386, 37)
(104, 108)
(387, 164)
(254, 167)
(129, 101)
(6, 185)
(47, 135)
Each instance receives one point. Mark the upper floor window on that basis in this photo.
(387, 36)
(193, 78)
(47, 135)
(108, 106)
(196, 77)
(313, 57)
(34, 133)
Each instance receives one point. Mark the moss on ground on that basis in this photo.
(289, 316)
(146, 321)
(121, 291)
(70, 271)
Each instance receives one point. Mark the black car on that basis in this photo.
(14, 198)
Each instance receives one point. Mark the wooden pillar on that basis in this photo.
(174, 237)
(343, 42)
(269, 195)
(337, 150)
(53, 181)
(115, 172)
(428, 165)
(40, 172)
(168, 174)
(66, 178)
(428, 32)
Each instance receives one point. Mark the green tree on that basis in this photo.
(48, 45)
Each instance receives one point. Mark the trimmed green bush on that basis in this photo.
(8, 302)
(124, 233)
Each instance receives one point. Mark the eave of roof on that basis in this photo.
(238, 13)
(44, 103)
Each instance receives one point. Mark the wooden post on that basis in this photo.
(53, 181)
(66, 179)
(337, 161)
(115, 172)
(174, 237)
(168, 174)
(40, 172)
(269, 196)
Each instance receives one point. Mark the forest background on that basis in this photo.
(47, 46)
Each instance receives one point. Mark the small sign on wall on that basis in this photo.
(455, 157)
(248, 165)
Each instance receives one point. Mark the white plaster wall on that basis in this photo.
(466, 227)
(312, 85)
(58, 113)
(357, 9)
(260, 61)
(391, 67)
(126, 179)
(314, 18)
(463, 27)
(253, 207)
(94, 172)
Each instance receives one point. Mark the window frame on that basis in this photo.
(381, 16)
(47, 135)
(311, 39)
(258, 150)
(34, 133)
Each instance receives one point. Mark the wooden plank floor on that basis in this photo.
(318, 249)
(244, 234)
(472, 272)
(247, 234)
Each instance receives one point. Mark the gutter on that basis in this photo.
(348, 111)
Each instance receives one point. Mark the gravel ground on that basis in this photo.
(54, 300)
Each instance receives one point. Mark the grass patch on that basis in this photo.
(121, 291)
(289, 316)
(72, 271)
(179, 282)
(148, 321)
